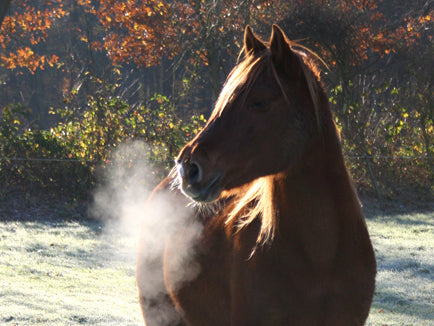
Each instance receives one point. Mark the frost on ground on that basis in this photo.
(59, 269)
(404, 246)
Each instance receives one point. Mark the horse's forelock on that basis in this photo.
(240, 80)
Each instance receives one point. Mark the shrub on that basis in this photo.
(63, 159)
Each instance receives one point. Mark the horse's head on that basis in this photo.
(263, 123)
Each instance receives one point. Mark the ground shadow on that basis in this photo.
(391, 301)
(373, 206)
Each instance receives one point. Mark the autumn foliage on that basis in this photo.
(144, 32)
(31, 24)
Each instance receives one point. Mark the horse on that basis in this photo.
(283, 239)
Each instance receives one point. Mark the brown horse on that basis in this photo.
(283, 238)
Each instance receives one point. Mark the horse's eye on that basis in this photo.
(259, 106)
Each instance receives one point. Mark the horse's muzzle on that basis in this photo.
(196, 185)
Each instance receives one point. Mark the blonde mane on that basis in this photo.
(257, 202)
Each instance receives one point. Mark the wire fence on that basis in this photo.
(46, 160)
(30, 159)
(381, 174)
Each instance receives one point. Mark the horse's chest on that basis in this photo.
(198, 281)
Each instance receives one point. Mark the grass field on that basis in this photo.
(404, 246)
(70, 273)
(66, 273)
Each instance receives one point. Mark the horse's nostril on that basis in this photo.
(194, 173)
(190, 172)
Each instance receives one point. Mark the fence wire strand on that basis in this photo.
(30, 159)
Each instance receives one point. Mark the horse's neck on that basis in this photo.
(316, 191)
(320, 182)
(316, 204)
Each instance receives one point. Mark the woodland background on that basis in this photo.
(79, 77)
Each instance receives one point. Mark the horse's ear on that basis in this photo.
(252, 44)
(281, 51)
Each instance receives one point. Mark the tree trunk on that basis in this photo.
(4, 6)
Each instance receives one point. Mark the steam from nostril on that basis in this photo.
(121, 201)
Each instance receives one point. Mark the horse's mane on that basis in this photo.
(256, 200)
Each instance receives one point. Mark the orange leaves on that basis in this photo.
(148, 11)
(33, 20)
(356, 5)
(54, 59)
(23, 57)
(203, 55)
(405, 35)
(84, 3)
(144, 31)
(29, 25)
(26, 58)
(139, 32)
(369, 30)
(425, 19)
